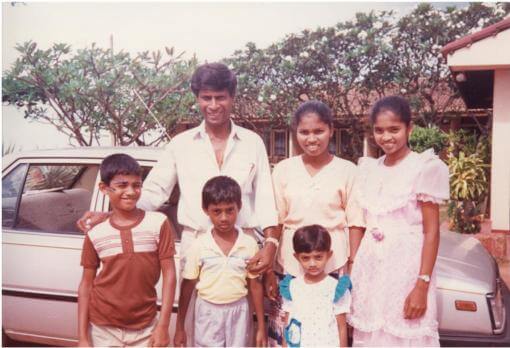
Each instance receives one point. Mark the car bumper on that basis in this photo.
(473, 340)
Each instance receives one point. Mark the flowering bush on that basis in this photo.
(353, 63)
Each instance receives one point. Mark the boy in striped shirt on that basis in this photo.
(117, 307)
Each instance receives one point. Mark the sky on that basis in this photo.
(211, 30)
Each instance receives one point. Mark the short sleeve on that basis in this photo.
(353, 211)
(166, 245)
(89, 256)
(343, 305)
(365, 166)
(432, 184)
(278, 185)
(192, 261)
(286, 305)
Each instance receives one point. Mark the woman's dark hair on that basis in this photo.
(396, 104)
(311, 238)
(118, 164)
(313, 106)
(213, 76)
(221, 189)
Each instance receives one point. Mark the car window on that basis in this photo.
(55, 196)
(12, 184)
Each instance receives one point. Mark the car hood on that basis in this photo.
(464, 265)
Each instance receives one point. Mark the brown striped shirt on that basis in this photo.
(124, 292)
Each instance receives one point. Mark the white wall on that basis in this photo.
(500, 170)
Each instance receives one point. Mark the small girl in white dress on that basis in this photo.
(314, 303)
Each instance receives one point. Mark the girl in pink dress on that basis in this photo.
(393, 298)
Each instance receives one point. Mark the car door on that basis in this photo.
(41, 246)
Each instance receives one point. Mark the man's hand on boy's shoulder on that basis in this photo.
(160, 337)
(90, 219)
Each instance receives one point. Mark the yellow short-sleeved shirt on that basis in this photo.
(221, 278)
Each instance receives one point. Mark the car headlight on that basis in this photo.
(497, 309)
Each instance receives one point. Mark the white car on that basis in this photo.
(45, 192)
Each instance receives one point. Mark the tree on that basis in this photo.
(351, 65)
(97, 90)
(420, 69)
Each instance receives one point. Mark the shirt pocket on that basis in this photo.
(244, 173)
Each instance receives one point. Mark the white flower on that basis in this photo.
(304, 54)
(272, 97)
(362, 35)
(288, 58)
(260, 98)
(403, 90)
(377, 25)
(490, 4)
(324, 39)
(386, 40)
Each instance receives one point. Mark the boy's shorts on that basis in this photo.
(110, 336)
(222, 325)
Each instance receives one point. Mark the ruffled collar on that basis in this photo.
(383, 189)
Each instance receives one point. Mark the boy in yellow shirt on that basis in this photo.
(216, 266)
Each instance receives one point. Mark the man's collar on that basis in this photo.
(235, 131)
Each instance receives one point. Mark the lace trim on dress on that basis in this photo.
(428, 198)
(429, 330)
